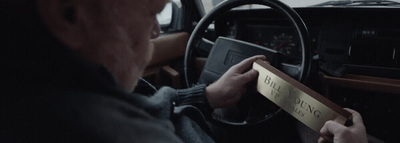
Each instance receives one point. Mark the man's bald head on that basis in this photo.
(113, 33)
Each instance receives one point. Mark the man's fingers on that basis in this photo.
(247, 63)
(357, 119)
(248, 76)
(322, 140)
(332, 127)
(340, 133)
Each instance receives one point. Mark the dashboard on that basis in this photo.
(364, 40)
(279, 38)
(364, 43)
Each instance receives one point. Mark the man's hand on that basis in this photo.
(342, 134)
(231, 86)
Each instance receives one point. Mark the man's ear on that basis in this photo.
(60, 16)
(70, 14)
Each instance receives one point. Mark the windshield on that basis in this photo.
(209, 4)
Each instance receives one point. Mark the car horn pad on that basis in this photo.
(225, 53)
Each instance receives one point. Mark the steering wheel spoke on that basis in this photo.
(290, 69)
(204, 47)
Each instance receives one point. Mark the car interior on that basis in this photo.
(347, 51)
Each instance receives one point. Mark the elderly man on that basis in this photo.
(69, 67)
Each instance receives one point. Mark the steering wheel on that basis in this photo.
(298, 71)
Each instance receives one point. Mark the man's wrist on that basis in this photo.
(195, 96)
(209, 96)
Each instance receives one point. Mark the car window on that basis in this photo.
(165, 16)
(209, 4)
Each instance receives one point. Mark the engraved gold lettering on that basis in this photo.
(267, 80)
(271, 83)
(297, 100)
(275, 94)
(317, 113)
(303, 105)
(277, 88)
(292, 98)
(295, 109)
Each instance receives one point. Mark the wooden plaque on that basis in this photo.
(298, 100)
